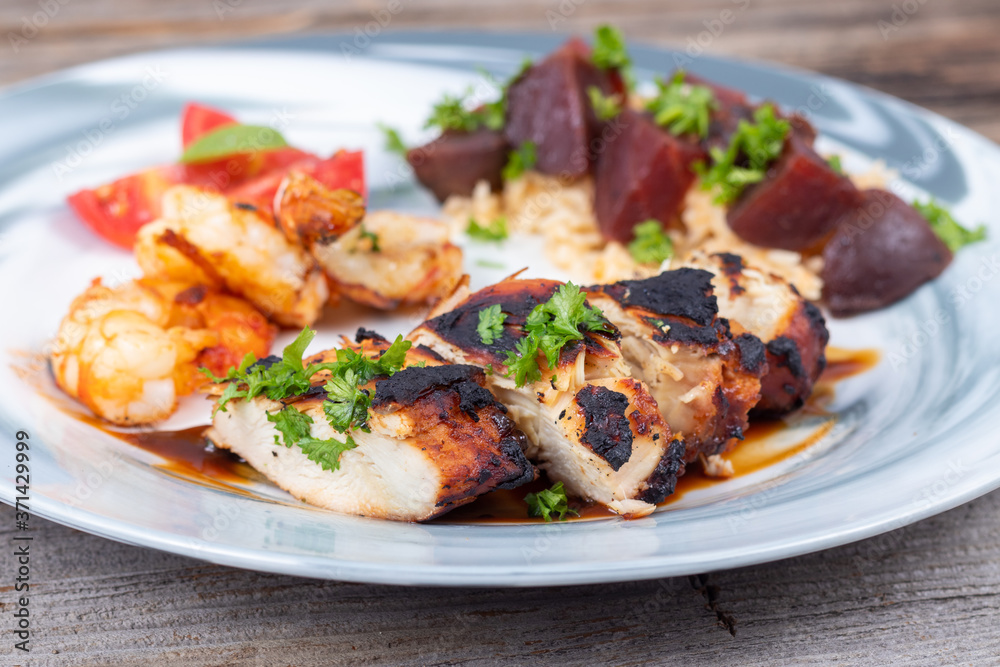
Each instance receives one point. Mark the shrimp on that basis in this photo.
(205, 238)
(382, 260)
(129, 352)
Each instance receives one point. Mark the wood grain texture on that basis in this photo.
(925, 594)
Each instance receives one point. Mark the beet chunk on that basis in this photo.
(453, 163)
(880, 253)
(549, 105)
(642, 173)
(797, 205)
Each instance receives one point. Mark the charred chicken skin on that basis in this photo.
(589, 423)
(704, 378)
(436, 439)
(793, 329)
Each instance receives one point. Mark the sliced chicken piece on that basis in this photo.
(203, 237)
(388, 260)
(438, 439)
(793, 329)
(590, 424)
(704, 379)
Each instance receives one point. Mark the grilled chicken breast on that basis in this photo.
(203, 237)
(438, 439)
(590, 424)
(793, 329)
(704, 379)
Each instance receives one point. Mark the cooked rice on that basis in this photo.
(563, 214)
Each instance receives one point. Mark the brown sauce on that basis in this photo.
(188, 454)
(509, 506)
(842, 364)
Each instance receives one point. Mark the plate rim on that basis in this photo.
(638, 568)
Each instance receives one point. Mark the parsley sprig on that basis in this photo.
(372, 238)
(682, 108)
(294, 428)
(752, 148)
(520, 160)
(274, 378)
(605, 107)
(549, 327)
(393, 141)
(346, 405)
(954, 235)
(549, 502)
(490, 326)
(453, 113)
(610, 52)
(651, 244)
(493, 231)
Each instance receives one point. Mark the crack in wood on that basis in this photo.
(703, 584)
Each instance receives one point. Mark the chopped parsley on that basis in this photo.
(457, 112)
(345, 407)
(549, 502)
(954, 235)
(283, 378)
(521, 159)
(291, 424)
(393, 142)
(651, 244)
(452, 113)
(605, 107)
(682, 108)
(494, 231)
(610, 52)
(490, 326)
(294, 428)
(371, 236)
(834, 162)
(549, 326)
(751, 150)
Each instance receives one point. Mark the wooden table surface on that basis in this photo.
(925, 594)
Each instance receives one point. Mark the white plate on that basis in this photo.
(915, 436)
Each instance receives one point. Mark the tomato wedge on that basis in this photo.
(117, 210)
(197, 120)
